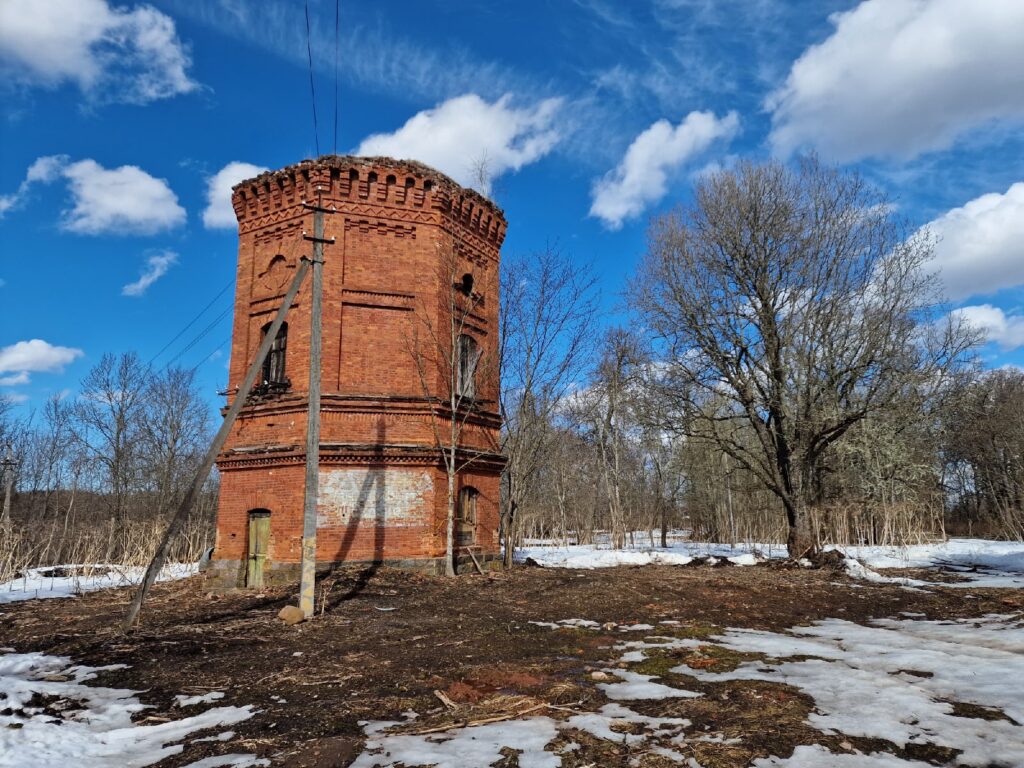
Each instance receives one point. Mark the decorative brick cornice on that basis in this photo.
(371, 186)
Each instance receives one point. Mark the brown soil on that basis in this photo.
(387, 640)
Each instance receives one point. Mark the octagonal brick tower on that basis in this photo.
(409, 244)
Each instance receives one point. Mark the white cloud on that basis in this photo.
(901, 77)
(980, 246)
(156, 267)
(1005, 330)
(14, 380)
(219, 213)
(130, 55)
(642, 177)
(124, 200)
(34, 356)
(456, 135)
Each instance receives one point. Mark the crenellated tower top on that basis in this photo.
(409, 189)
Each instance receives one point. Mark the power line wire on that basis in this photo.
(199, 337)
(191, 322)
(312, 90)
(215, 350)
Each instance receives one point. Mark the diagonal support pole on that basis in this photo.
(189, 500)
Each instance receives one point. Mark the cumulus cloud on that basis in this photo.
(642, 177)
(124, 200)
(901, 77)
(1006, 330)
(128, 55)
(980, 247)
(156, 267)
(463, 133)
(219, 213)
(23, 358)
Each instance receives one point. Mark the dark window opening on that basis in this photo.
(466, 286)
(274, 378)
(468, 356)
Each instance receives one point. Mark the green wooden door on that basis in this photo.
(259, 538)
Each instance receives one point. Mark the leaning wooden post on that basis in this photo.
(189, 500)
(307, 586)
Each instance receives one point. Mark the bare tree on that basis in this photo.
(792, 298)
(457, 378)
(109, 415)
(548, 309)
(174, 434)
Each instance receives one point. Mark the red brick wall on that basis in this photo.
(386, 282)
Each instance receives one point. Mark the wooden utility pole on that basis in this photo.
(189, 500)
(307, 586)
(7, 465)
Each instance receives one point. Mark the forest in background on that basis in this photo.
(789, 373)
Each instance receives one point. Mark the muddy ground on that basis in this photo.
(385, 642)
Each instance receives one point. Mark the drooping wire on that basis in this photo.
(215, 350)
(312, 90)
(191, 322)
(337, 25)
(199, 337)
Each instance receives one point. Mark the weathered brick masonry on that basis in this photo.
(400, 228)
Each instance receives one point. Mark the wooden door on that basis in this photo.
(465, 521)
(259, 539)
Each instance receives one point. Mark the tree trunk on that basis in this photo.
(449, 561)
(801, 541)
(510, 544)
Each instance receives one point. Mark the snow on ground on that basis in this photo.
(981, 563)
(48, 717)
(904, 681)
(898, 680)
(71, 580)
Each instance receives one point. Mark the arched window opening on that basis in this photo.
(468, 356)
(274, 379)
(466, 286)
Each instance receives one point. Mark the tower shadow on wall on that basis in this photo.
(370, 505)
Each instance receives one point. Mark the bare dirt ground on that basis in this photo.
(387, 641)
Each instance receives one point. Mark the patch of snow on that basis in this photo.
(191, 701)
(817, 756)
(637, 687)
(41, 583)
(462, 747)
(235, 760)
(84, 726)
(895, 680)
(224, 736)
(636, 628)
(982, 563)
(857, 570)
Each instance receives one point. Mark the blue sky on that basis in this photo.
(123, 125)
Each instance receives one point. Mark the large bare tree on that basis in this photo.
(548, 307)
(791, 297)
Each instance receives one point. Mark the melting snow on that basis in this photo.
(82, 725)
(981, 563)
(895, 680)
(39, 583)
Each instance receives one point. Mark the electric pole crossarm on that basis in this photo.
(188, 501)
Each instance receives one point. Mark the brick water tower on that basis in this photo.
(410, 326)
